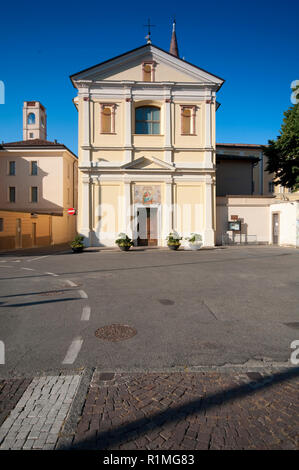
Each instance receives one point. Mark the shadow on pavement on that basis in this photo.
(135, 429)
(57, 291)
(41, 302)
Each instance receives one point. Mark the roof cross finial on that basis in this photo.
(149, 26)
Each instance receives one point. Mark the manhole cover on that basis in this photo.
(166, 302)
(115, 332)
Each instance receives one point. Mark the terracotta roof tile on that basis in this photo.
(38, 143)
(239, 145)
(31, 143)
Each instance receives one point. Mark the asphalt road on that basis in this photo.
(222, 307)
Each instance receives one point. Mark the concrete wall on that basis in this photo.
(254, 215)
(287, 222)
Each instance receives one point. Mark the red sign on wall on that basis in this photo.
(71, 211)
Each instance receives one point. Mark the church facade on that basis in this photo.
(147, 151)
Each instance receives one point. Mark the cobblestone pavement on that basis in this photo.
(38, 416)
(190, 411)
(11, 391)
(154, 411)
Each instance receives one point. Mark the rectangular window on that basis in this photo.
(271, 187)
(33, 168)
(12, 168)
(1, 225)
(107, 118)
(33, 193)
(12, 194)
(188, 120)
(148, 71)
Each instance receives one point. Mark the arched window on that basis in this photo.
(147, 120)
(31, 118)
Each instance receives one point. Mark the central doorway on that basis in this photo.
(147, 226)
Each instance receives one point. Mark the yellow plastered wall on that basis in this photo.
(63, 228)
(108, 207)
(133, 71)
(149, 153)
(106, 140)
(8, 237)
(189, 200)
(189, 141)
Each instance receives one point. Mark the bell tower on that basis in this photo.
(34, 121)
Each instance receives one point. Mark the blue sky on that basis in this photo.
(252, 45)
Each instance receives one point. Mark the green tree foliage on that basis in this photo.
(283, 153)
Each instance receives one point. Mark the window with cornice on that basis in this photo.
(107, 118)
(148, 71)
(188, 120)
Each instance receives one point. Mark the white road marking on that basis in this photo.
(71, 283)
(83, 294)
(16, 261)
(73, 351)
(52, 274)
(35, 259)
(86, 313)
(28, 269)
(6, 266)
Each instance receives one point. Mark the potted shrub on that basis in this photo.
(194, 241)
(77, 244)
(124, 242)
(173, 240)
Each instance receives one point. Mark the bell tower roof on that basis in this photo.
(174, 50)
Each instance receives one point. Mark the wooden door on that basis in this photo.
(147, 226)
(152, 224)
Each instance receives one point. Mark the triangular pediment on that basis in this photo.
(127, 67)
(148, 163)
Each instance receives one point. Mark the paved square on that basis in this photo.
(208, 368)
(190, 411)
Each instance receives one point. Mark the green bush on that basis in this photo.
(77, 242)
